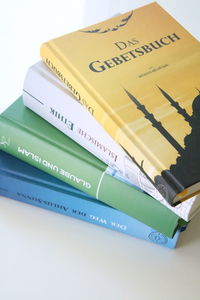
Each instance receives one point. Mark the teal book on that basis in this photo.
(23, 182)
(28, 137)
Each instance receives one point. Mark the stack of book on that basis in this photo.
(107, 129)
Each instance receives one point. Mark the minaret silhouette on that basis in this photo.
(176, 105)
(156, 124)
(187, 167)
(186, 171)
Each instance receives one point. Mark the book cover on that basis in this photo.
(139, 75)
(30, 138)
(47, 96)
(22, 182)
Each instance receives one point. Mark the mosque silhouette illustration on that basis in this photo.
(186, 171)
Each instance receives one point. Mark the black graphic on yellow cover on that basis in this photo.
(151, 57)
(186, 170)
(122, 23)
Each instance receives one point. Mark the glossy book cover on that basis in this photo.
(25, 183)
(47, 96)
(139, 75)
(30, 138)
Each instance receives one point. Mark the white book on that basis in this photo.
(49, 97)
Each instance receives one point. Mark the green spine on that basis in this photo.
(22, 128)
(135, 204)
(47, 157)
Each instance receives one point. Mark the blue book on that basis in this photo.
(25, 183)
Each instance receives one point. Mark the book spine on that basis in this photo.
(48, 97)
(41, 88)
(97, 106)
(47, 156)
(45, 197)
(66, 73)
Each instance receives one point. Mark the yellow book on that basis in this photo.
(138, 74)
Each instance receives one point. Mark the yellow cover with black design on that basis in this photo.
(139, 75)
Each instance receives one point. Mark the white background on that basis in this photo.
(44, 255)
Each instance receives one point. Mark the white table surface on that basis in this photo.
(47, 256)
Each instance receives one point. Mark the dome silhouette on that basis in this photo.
(186, 171)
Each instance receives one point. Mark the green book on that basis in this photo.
(28, 137)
